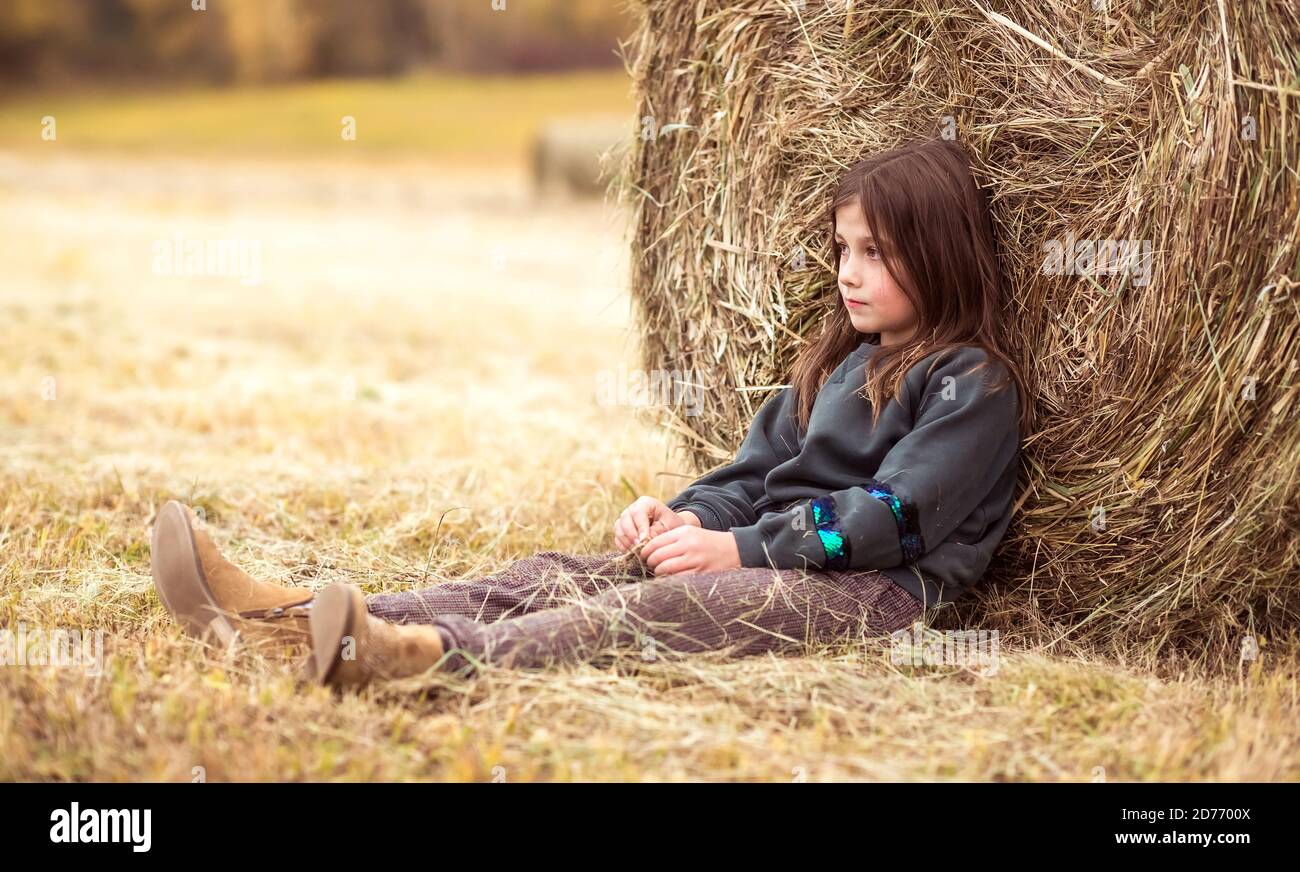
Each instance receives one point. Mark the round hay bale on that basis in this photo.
(577, 157)
(1158, 510)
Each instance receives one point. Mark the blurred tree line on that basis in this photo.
(278, 40)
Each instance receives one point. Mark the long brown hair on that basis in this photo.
(932, 225)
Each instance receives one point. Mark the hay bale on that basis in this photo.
(1171, 407)
(576, 157)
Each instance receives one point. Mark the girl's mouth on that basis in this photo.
(853, 304)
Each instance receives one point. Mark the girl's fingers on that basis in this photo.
(625, 533)
(649, 548)
(658, 551)
(642, 521)
(628, 529)
(674, 565)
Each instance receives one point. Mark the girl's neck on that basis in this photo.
(897, 338)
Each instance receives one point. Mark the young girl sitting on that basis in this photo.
(877, 484)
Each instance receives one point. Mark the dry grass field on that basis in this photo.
(400, 391)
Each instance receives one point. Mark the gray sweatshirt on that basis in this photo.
(925, 496)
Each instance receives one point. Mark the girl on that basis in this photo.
(877, 484)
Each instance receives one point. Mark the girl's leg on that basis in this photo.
(747, 610)
(543, 581)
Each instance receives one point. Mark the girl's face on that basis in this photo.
(875, 302)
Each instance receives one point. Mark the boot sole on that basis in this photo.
(178, 577)
(331, 622)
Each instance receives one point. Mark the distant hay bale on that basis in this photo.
(577, 157)
(1158, 510)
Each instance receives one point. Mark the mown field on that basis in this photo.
(408, 394)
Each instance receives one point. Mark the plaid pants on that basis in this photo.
(557, 607)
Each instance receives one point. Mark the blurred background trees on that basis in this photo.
(54, 42)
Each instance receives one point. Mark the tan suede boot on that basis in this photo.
(209, 595)
(351, 647)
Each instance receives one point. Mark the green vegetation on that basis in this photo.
(433, 116)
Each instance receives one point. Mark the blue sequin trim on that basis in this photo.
(833, 539)
(836, 544)
(909, 528)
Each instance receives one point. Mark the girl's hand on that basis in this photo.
(688, 548)
(644, 519)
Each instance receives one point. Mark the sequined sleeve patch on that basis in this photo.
(835, 543)
(909, 528)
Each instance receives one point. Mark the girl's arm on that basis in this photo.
(931, 480)
(725, 497)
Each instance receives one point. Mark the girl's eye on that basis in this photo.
(872, 251)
